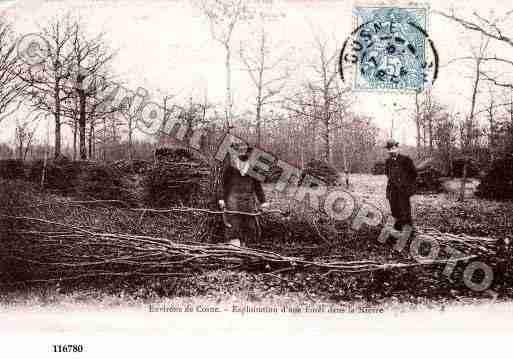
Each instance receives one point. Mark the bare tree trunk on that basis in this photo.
(228, 86)
(104, 140)
(470, 130)
(82, 117)
(326, 135)
(491, 137)
(258, 120)
(57, 149)
(451, 160)
(91, 140)
(130, 154)
(57, 116)
(43, 173)
(46, 154)
(326, 120)
(344, 157)
(93, 144)
(314, 139)
(417, 122)
(75, 130)
(20, 150)
(509, 141)
(424, 137)
(430, 129)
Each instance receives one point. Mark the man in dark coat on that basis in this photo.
(402, 174)
(240, 192)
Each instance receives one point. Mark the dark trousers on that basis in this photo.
(400, 206)
(243, 227)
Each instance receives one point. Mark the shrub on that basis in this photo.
(457, 168)
(16, 198)
(12, 169)
(428, 179)
(166, 154)
(100, 181)
(379, 168)
(498, 182)
(59, 175)
(89, 180)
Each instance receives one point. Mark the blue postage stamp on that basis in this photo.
(389, 46)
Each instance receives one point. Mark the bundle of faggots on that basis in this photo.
(41, 249)
(84, 179)
(178, 177)
(132, 167)
(51, 238)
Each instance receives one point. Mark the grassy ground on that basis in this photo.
(305, 233)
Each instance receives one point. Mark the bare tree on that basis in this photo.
(418, 121)
(490, 29)
(342, 118)
(130, 120)
(469, 127)
(91, 57)
(223, 17)
(322, 99)
(430, 110)
(265, 76)
(303, 108)
(69, 82)
(331, 97)
(24, 134)
(496, 30)
(445, 139)
(492, 123)
(47, 81)
(11, 86)
(107, 136)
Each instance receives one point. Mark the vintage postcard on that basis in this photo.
(175, 168)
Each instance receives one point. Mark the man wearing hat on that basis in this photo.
(240, 193)
(402, 175)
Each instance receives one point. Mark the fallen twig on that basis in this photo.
(203, 210)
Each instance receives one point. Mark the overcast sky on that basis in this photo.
(166, 47)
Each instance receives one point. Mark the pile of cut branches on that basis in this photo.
(178, 177)
(57, 251)
(46, 238)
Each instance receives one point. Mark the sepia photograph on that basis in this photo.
(281, 167)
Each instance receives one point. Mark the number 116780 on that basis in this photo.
(68, 348)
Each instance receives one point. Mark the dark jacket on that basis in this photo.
(401, 173)
(233, 182)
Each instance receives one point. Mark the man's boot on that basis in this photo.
(395, 233)
(395, 230)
